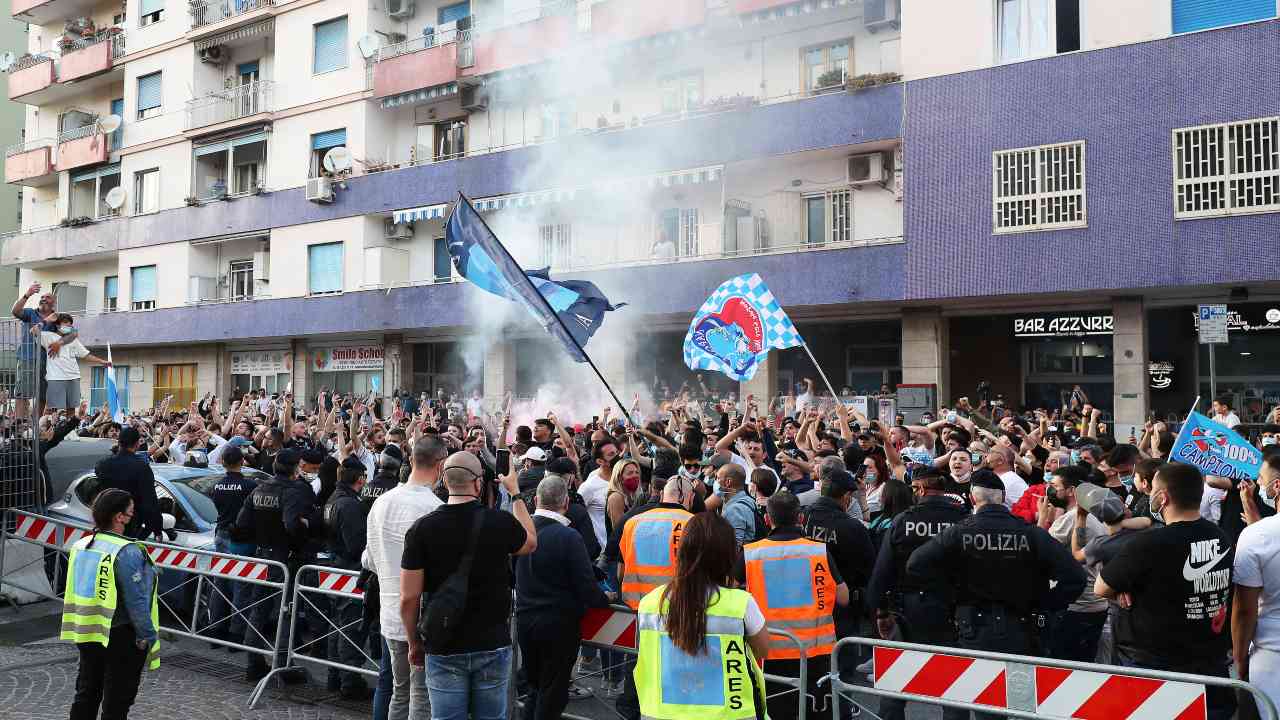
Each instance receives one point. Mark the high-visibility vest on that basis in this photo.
(90, 600)
(648, 545)
(796, 592)
(725, 683)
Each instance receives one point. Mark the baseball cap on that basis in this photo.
(312, 456)
(129, 436)
(716, 461)
(238, 441)
(465, 464)
(534, 454)
(1100, 503)
(844, 482)
(562, 466)
(985, 478)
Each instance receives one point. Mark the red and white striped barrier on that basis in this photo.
(1059, 692)
(244, 569)
(606, 626)
(338, 582)
(170, 557)
(39, 530)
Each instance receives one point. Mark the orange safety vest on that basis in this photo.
(793, 585)
(648, 545)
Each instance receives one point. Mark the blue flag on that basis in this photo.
(736, 327)
(1216, 449)
(113, 395)
(570, 310)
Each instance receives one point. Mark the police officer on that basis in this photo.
(228, 496)
(386, 477)
(828, 521)
(798, 575)
(1000, 570)
(344, 522)
(280, 515)
(922, 605)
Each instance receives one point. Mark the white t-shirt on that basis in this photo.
(264, 405)
(1061, 530)
(1211, 503)
(1258, 565)
(66, 364)
(1230, 419)
(474, 406)
(391, 516)
(594, 490)
(1014, 487)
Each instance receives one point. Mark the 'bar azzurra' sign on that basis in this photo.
(1064, 325)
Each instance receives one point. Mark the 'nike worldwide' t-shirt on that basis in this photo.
(1179, 578)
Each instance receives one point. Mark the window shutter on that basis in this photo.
(451, 13)
(330, 46)
(143, 283)
(1191, 15)
(324, 267)
(149, 6)
(329, 139)
(112, 287)
(149, 91)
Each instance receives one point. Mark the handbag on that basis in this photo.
(445, 607)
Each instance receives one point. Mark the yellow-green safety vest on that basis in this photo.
(90, 600)
(725, 683)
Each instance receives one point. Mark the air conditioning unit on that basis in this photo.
(215, 55)
(472, 99)
(399, 230)
(320, 189)
(879, 14)
(867, 169)
(395, 38)
(401, 9)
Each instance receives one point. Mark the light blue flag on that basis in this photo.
(1216, 449)
(736, 327)
(113, 395)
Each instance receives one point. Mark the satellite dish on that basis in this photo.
(109, 124)
(7, 60)
(337, 160)
(115, 198)
(368, 45)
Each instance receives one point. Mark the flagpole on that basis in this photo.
(822, 374)
(621, 406)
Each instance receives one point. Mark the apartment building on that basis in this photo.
(12, 126)
(1030, 192)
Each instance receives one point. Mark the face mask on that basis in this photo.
(1127, 480)
(1051, 494)
(630, 484)
(1075, 457)
(975, 458)
(1268, 440)
(1157, 508)
(870, 476)
(64, 330)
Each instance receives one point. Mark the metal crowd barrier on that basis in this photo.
(328, 582)
(201, 567)
(1029, 687)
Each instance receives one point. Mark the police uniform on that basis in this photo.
(344, 521)
(794, 581)
(386, 478)
(999, 569)
(923, 605)
(228, 495)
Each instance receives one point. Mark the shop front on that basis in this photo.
(261, 369)
(355, 369)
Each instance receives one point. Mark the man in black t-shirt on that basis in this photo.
(433, 549)
(1177, 582)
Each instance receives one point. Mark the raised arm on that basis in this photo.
(21, 303)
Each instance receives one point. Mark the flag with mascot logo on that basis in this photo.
(1216, 449)
(736, 327)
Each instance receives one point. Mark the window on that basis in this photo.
(146, 191)
(681, 93)
(1035, 28)
(149, 96)
(442, 261)
(1227, 169)
(150, 12)
(98, 387)
(1192, 15)
(176, 380)
(828, 217)
(330, 52)
(117, 137)
(229, 167)
(678, 227)
(555, 245)
(111, 293)
(240, 279)
(324, 268)
(142, 287)
(1039, 188)
(453, 13)
(826, 66)
(89, 192)
(322, 143)
(450, 140)
(558, 118)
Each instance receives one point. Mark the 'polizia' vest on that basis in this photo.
(90, 600)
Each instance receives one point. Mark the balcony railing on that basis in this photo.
(208, 12)
(28, 146)
(413, 45)
(113, 35)
(78, 133)
(232, 104)
(29, 60)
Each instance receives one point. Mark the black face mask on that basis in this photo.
(1051, 494)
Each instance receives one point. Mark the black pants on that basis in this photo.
(347, 646)
(925, 620)
(109, 676)
(995, 630)
(628, 703)
(549, 648)
(782, 701)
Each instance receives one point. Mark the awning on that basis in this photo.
(426, 212)
(795, 9)
(241, 32)
(694, 176)
(435, 92)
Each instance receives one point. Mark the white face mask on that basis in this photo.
(1267, 494)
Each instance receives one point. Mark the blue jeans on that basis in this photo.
(240, 595)
(469, 684)
(382, 693)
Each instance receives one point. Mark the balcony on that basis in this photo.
(232, 107)
(502, 48)
(86, 64)
(212, 16)
(424, 62)
(618, 21)
(48, 12)
(30, 163)
(83, 146)
(30, 75)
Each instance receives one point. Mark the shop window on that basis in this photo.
(555, 245)
(1227, 169)
(176, 380)
(828, 217)
(1039, 188)
(142, 287)
(98, 387)
(826, 66)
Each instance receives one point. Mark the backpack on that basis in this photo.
(762, 522)
(442, 616)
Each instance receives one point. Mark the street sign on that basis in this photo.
(1213, 324)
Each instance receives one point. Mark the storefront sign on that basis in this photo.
(1248, 318)
(261, 362)
(354, 357)
(1161, 374)
(1064, 325)
(1212, 325)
